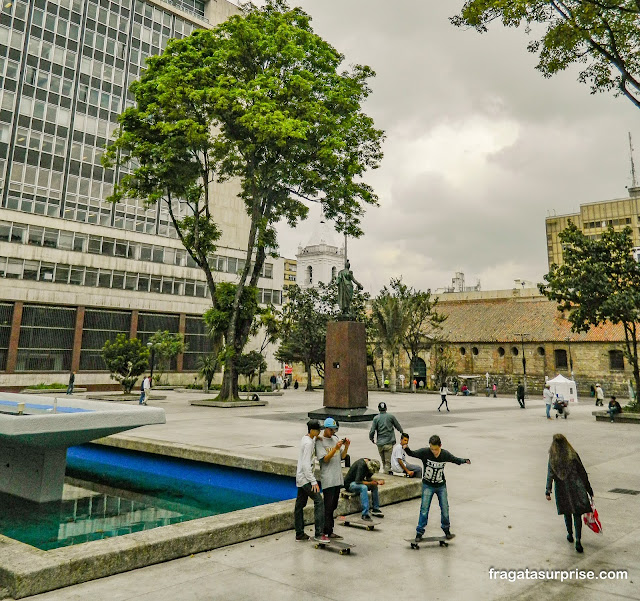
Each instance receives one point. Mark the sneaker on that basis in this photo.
(333, 535)
(570, 537)
(579, 548)
(448, 535)
(302, 537)
(367, 518)
(418, 538)
(376, 513)
(322, 539)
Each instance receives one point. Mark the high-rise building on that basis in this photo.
(593, 218)
(290, 273)
(83, 269)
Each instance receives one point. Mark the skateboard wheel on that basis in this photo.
(369, 527)
(348, 551)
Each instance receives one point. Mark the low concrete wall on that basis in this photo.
(25, 570)
(624, 417)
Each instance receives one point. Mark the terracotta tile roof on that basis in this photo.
(500, 320)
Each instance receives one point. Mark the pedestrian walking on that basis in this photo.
(434, 483)
(547, 395)
(383, 424)
(520, 394)
(273, 381)
(572, 488)
(72, 380)
(308, 487)
(295, 384)
(146, 389)
(444, 391)
(495, 390)
(599, 395)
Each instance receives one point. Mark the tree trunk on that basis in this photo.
(309, 385)
(375, 373)
(392, 369)
(229, 390)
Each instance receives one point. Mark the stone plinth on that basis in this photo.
(346, 395)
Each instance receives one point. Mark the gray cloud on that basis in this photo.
(479, 145)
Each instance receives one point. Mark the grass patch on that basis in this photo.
(43, 386)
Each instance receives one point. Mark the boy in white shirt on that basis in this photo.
(399, 463)
(308, 486)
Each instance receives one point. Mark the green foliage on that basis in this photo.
(249, 364)
(267, 322)
(598, 281)
(445, 363)
(166, 346)
(602, 36)
(208, 365)
(261, 99)
(43, 386)
(126, 359)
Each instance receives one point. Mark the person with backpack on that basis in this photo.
(567, 475)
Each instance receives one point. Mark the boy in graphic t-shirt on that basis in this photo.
(433, 482)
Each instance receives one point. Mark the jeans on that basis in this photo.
(141, 399)
(548, 410)
(416, 469)
(427, 494)
(521, 402)
(364, 496)
(331, 497)
(385, 451)
(443, 402)
(577, 522)
(70, 389)
(304, 492)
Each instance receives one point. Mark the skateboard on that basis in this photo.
(356, 521)
(444, 542)
(342, 548)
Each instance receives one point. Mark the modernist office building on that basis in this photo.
(593, 219)
(75, 270)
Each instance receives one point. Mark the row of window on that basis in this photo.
(616, 358)
(22, 233)
(79, 275)
(607, 222)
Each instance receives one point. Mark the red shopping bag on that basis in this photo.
(592, 520)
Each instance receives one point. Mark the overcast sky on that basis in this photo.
(480, 147)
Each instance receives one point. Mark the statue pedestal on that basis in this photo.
(346, 395)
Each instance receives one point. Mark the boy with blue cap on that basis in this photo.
(330, 452)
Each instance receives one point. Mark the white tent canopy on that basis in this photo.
(564, 388)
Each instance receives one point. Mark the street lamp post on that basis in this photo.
(570, 357)
(524, 359)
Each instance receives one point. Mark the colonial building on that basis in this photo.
(76, 269)
(321, 259)
(488, 334)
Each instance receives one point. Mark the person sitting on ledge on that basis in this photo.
(614, 407)
(359, 479)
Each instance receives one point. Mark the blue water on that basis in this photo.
(127, 491)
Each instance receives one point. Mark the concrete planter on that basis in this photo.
(51, 391)
(624, 417)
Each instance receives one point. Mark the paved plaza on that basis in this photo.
(498, 510)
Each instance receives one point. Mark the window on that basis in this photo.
(474, 350)
(310, 275)
(514, 351)
(463, 351)
(616, 360)
(501, 351)
(541, 351)
(560, 356)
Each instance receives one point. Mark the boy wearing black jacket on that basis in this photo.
(434, 483)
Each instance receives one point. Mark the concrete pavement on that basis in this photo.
(498, 510)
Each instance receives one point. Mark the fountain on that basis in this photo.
(34, 437)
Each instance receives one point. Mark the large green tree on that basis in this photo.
(250, 364)
(166, 346)
(598, 281)
(263, 100)
(390, 315)
(126, 359)
(601, 36)
(305, 316)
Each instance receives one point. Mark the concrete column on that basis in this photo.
(77, 340)
(182, 327)
(133, 328)
(14, 338)
(36, 474)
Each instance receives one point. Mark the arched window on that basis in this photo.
(334, 271)
(310, 274)
(560, 356)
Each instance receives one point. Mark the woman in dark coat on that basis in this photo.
(572, 486)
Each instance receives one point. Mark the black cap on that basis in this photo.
(382, 406)
(313, 424)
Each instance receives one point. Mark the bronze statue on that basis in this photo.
(345, 282)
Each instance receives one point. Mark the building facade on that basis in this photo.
(77, 269)
(321, 258)
(290, 273)
(487, 334)
(593, 219)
